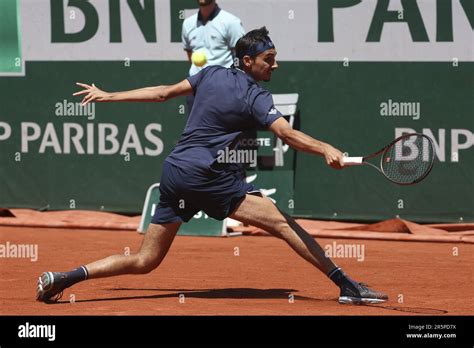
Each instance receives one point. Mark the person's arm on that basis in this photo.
(186, 42)
(305, 143)
(148, 94)
(190, 53)
(235, 31)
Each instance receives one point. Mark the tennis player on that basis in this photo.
(228, 101)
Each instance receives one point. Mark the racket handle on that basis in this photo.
(353, 161)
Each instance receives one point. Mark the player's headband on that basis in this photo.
(258, 48)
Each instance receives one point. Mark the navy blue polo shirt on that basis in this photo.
(227, 103)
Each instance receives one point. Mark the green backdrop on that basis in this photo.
(59, 159)
(340, 105)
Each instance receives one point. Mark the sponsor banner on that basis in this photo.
(304, 30)
(57, 156)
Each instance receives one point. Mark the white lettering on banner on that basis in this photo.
(76, 137)
(26, 137)
(50, 139)
(108, 138)
(90, 138)
(401, 148)
(254, 142)
(461, 139)
(456, 144)
(110, 141)
(438, 142)
(132, 141)
(153, 139)
(5, 131)
(326, 30)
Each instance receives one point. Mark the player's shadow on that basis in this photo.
(416, 310)
(227, 293)
(244, 293)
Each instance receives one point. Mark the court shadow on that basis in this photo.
(227, 293)
(417, 310)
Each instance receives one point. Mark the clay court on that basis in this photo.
(203, 276)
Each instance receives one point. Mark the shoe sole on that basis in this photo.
(40, 291)
(359, 300)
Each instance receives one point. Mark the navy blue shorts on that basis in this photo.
(183, 193)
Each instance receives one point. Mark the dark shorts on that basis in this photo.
(183, 193)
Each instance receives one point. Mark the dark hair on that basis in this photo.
(249, 41)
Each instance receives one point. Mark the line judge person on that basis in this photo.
(209, 38)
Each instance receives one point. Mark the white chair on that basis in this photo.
(286, 104)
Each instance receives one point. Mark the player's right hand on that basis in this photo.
(92, 94)
(333, 157)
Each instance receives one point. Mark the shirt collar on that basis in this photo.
(248, 76)
(211, 17)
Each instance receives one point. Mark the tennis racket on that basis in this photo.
(405, 161)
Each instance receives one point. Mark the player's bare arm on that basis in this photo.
(147, 94)
(305, 143)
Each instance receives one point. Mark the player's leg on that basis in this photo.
(261, 212)
(154, 248)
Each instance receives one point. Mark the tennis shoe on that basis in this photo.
(360, 293)
(50, 286)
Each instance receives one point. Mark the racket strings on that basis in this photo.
(408, 160)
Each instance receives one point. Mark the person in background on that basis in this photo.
(212, 33)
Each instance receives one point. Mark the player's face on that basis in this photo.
(205, 2)
(263, 65)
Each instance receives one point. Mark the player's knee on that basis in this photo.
(281, 228)
(145, 264)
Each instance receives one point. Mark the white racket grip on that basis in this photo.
(353, 161)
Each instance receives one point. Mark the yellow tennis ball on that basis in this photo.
(199, 58)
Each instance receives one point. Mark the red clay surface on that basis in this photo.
(260, 281)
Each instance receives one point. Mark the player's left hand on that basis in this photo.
(92, 94)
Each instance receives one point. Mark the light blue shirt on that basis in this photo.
(216, 38)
